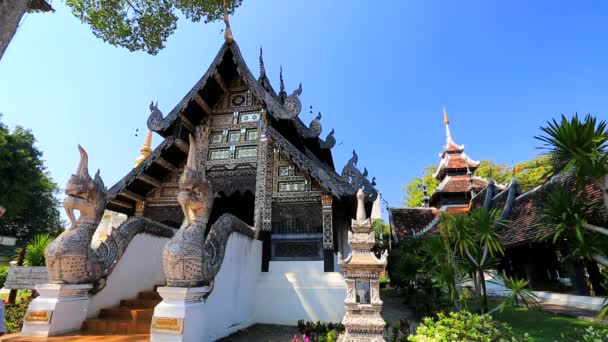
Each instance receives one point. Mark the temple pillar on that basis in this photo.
(328, 233)
(263, 196)
(576, 271)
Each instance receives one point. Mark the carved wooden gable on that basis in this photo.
(290, 183)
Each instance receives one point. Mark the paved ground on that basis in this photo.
(80, 338)
(393, 311)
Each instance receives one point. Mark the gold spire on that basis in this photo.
(446, 121)
(445, 117)
(146, 150)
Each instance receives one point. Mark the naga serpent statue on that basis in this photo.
(190, 259)
(70, 259)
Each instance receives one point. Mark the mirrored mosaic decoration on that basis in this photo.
(220, 153)
(249, 117)
(246, 152)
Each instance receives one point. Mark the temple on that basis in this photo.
(457, 187)
(527, 255)
(266, 166)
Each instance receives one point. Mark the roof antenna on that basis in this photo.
(228, 32)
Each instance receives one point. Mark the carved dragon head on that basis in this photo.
(195, 192)
(85, 194)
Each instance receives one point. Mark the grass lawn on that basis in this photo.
(541, 325)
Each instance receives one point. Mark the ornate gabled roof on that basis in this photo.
(459, 183)
(410, 221)
(285, 128)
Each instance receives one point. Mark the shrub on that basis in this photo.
(14, 314)
(320, 331)
(462, 326)
(34, 251)
(3, 274)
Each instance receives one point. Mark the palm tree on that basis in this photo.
(34, 250)
(518, 291)
(476, 239)
(581, 147)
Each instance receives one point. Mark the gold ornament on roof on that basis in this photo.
(146, 149)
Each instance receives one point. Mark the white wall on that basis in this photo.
(294, 290)
(230, 305)
(139, 269)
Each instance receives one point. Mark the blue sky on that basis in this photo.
(378, 73)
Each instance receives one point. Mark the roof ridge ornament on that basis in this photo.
(282, 84)
(156, 120)
(262, 68)
(315, 126)
(330, 141)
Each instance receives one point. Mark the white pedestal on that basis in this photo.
(180, 316)
(60, 308)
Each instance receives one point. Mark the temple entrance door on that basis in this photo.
(238, 204)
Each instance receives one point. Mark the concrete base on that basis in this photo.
(58, 310)
(180, 316)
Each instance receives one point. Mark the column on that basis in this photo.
(263, 195)
(328, 232)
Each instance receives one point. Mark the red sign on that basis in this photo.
(2, 211)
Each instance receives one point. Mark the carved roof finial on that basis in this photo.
(146, 149)
(315, 125)
(446, 121)
(262, 68)
(282, 86)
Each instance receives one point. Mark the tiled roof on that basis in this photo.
(457, 161)
(457, 210)
(525, 225)
(405, 221)
(460, 184)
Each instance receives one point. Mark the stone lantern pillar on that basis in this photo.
(361, 272)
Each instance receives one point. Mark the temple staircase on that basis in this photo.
(133, 316)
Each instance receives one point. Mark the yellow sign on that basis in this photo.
(39, 317)
(168, 325)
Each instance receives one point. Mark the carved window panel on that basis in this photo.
(296, 249)
(216, 138)
(252, 135)
(234, 136)
(246, 152)
(292, 186)
(222, 120)
(249, 117)
(219, 153)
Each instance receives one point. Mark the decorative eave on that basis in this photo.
(321, 172)
(445, 162)
(120, 196)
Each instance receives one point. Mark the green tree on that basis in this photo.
(533, 173)
(475, 238)
(27, 191)
(382, 232)
(499, 172)
(145, 24)
(413, 189)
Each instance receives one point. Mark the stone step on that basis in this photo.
(149, 295)
(115, 326)
(139, 303)
(127, 314)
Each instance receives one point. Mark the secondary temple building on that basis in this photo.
(527, 256)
